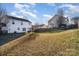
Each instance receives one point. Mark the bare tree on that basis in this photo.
(61, 19)
(60, 12)
(3, 18)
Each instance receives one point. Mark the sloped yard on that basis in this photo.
(63, 43)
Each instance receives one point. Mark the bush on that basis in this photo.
(48, 30)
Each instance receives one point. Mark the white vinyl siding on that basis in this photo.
(17, 26)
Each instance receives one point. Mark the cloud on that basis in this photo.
(16, 15)
(24, 10)
(47, 16)
(18, 6)
(72, 8)
(33, 4)
(66, 5)
(31, 14)
(13, 13)
(21, 6)
(27, 6)
(35, 11)
(24, 13)
(51, 4)
(75, 9)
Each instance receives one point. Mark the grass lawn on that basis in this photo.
(49, 44)
(8, 37)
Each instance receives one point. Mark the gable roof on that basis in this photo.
(16, 18)
(55, 17)
(75, 18)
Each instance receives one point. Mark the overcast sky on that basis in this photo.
(40, 12)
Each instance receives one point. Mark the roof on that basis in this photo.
(21, 19)
(75, 18)
(55, 16)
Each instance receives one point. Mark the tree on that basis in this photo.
(61, 19)
(60, 12)
(3, 18)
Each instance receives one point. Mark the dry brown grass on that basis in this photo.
(63, 43)
(8, 46)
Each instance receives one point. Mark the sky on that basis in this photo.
(40, 13)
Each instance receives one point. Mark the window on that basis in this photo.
(21, 23)
(29, 23)
(24, 29)
(13, 22)
(18, 28)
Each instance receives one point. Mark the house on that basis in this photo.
(17, 25)
(75, 21)
(57, 21)
(41, 26)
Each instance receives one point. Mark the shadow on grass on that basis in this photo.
(29, 38)
(5, 38)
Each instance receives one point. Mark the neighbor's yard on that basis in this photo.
(63, 43)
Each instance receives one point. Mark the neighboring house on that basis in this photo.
(17, 25)
(75, 21)
(56, 21)
(42, 26)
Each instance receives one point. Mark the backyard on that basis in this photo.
(52, 44)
